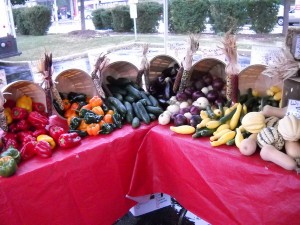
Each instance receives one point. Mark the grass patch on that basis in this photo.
(33, 47)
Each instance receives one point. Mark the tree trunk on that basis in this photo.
(82, 15)
(287, 5)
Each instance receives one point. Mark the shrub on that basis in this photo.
(121, 19)
(32, 21)
(102, 18)
(226, 15)
(149, 13)
(188, 15)
(262, 15)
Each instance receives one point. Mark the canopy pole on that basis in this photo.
(166, 25)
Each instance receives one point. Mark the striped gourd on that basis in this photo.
(272, 121)
(270, 136)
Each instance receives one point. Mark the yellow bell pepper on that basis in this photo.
(47, 138)
(7, 113)
(25, 102)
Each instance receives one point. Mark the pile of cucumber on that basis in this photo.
(135, 105)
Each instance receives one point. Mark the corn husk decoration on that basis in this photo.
(232, 68)
(178, 78)
(193, 45)
(97, 76)
(3, 123)
(283, 66)
(45, 68)
(144, 69)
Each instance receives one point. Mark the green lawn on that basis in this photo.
(33, 47)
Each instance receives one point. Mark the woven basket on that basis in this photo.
(120, 69)
(19, 88)
(213, 66)
(160, 63)
(251, 77)
(75, 80)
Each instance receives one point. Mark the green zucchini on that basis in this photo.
(156, 110)
(118, 104)
(129, 114)
(210, 113)
(144, 96)
(204, 132)
(133, 91)
(143, 112)
(227, 117)
(153, 100)
(115, 89)
(129, 98)
(118, 96)
(136, 111)
(135, 122)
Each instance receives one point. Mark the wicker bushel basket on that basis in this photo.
(120, 69)
(19, 88)
(251, 77)
(75, 80)
(158, 64)
(212, 66)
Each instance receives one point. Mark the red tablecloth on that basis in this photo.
(216, 183)
(86, 185)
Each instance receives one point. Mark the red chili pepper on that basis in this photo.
(55, 131)
(10, 139)
(39, 132)
(39, 107)
(9, 103)
(43, 149)
(18, 113)
(69, 140)
(23, 125)
(27, 151)
(37, 120)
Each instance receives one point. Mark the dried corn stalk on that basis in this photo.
(193, 45)
(45, 68)
(283, 67)
(232, 68)
(144, 69)
(97, 75)
(3, 123)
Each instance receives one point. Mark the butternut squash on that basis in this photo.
(249, 145)
(292, 148)
(268, 111)
(270, 153)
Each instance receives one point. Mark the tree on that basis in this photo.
(17, 2)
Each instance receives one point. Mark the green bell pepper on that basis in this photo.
(8, 166)
(13, 152)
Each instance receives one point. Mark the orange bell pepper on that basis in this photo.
(70, 113)
(93, 129)
(98, 110)
(111, 112)
(95, 101)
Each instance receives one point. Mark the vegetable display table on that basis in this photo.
(85, 185)
(216, 183)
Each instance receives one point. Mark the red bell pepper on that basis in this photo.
(39, 107)
(23, 125)
(39, 132)
(55, 131)
(18, 113)
(9, 103)
(69, 140)
(37, 120)
(22, 134)
(13, 128)
(43, 149)
(10, 139)
(27, 151)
